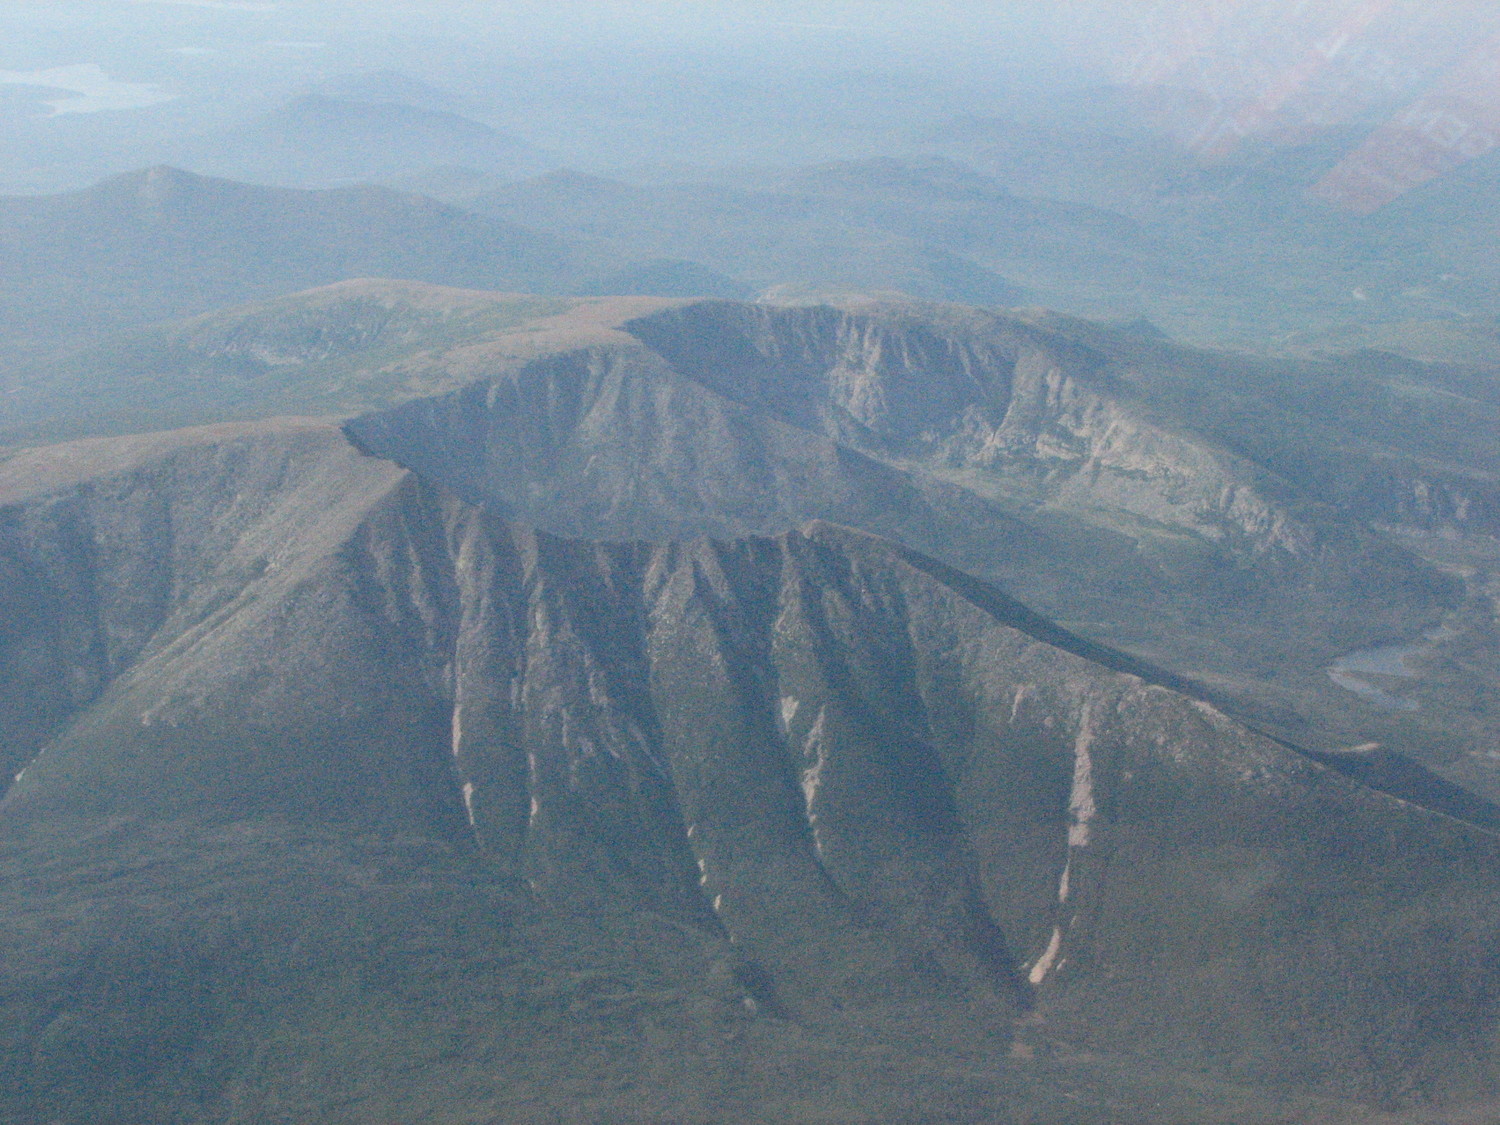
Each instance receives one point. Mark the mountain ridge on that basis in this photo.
(356, 133)
(162, 242)
(1001, 448)
(867, 784)
(1198, 510)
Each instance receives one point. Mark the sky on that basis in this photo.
(892, 29)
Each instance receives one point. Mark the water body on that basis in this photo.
(86, 88)
(1353, 670)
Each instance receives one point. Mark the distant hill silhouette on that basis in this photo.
(164, 243)
(371, 133)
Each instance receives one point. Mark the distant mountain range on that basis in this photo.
(1182, 255)
(164, 243)
(1300, 283)
(847, 229)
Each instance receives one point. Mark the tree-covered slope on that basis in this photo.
(337, 791)
(163, 243)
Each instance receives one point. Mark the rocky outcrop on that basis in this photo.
(1409, 498)
(1006, 408)
(350, 319)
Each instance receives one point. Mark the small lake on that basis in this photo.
(86, 89)
(1353, 670)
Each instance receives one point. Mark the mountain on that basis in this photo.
(1250, 526)
(1095, 218)
(369, 132)
(1194, 510)
(339, 349)
(794, 236)
(385, 87)
(342, 798)
(939, 228)
(164, 243)
(1236, 248)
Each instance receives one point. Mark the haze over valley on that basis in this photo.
(713, 562)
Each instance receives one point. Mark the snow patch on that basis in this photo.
(1043, 965)
(533, 783)
(789, 705)
(814, 748)
(469, 802)
(1082, 809)
(812, 776)
(1081, 806)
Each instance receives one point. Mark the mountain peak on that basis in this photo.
(159, 182)
(385, 86)
(159, 186)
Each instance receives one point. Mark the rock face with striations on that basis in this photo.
(328, 776)
(1001, 448)
(1200, 511)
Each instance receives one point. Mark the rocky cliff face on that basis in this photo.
(812, 774)
(1005, 407)
(997, 446)
(1409, 497)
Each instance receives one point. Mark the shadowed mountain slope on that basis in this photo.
(542, 796)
